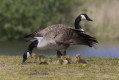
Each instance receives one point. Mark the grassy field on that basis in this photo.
(97, 69)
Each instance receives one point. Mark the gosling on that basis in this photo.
(79, 60)
(42, 58)
(65, 59)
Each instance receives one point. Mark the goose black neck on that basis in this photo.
(32, 46)
(77, 23)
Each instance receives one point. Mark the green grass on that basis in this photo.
(97, 69)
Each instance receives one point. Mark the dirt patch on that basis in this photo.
(39, 73)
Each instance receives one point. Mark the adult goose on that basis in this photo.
(59, 37)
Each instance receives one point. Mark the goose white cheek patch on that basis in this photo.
(82, 29)
(83, 17)
(28, 54)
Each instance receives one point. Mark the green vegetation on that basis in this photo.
(21, 17)
(97, 69)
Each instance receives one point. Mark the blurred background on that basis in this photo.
(21, 17)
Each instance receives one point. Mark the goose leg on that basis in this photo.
(64, 53)
(59, 54)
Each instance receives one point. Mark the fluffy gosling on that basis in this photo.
(65, 59)
(42, 58)
(79, 60)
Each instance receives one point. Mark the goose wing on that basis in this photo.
(71, 36)
(42, 32)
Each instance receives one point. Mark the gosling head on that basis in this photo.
(78, 56)
(33, 55)
(85, 17)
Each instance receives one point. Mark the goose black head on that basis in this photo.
(79, 19)
(85, 17)
(25, 56)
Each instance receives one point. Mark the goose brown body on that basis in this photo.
(60, 36)
(42, 32)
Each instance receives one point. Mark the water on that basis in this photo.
(17, 48)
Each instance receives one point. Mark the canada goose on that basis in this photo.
(59, 37)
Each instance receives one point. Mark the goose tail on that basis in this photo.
(87, 39)
(32, 37)
(28, 36)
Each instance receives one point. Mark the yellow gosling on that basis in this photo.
(50, 60)
(65, 59)
(42, 58)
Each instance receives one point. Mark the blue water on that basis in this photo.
(108, 49)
